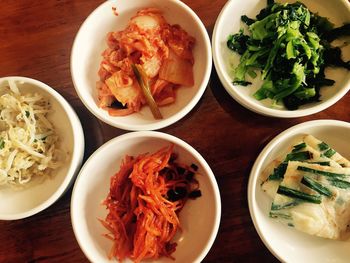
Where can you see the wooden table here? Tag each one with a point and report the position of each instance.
(35, 41)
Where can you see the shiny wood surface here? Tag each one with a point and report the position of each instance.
(35, 41)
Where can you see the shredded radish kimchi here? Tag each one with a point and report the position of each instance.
(145, 197)
(163, 51)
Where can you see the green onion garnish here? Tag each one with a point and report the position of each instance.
(314, 171)
(316, 199)
(316, 186)
(142, 80)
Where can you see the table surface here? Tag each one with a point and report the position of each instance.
(36, 40)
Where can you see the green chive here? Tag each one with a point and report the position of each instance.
(339, 183)
(281, 215)
(322, 163)
(323, 146)
(299, 156)
(298, 147)
(275, 207)
(314, 171)
(278, 172)
(316, 199)
(314, 185)
(329, 153)
(142, 81)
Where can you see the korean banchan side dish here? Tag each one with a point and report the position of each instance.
(310, 189)
(29, 144)
(144, 64)
(291, 47)
(144, 201)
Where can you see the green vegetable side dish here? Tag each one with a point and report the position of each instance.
(291, 46)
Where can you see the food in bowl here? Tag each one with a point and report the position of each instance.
(86, 60)
(29, 145)
(163, 56)
(291, 46)
(145, 198)
(310, 188)
(92, 186)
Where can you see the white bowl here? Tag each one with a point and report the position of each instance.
(288, 244)
(199, 218)
(17, 204)
(229, 22)
(91, 41)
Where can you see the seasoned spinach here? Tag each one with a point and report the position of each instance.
(291, 47)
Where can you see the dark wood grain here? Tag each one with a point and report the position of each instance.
(36, 40)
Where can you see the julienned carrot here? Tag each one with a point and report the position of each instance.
(145, 198)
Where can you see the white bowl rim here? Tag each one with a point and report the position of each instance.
(176, 141)
(260, 161)
(252, 105)
(77, 154)
(161, 123)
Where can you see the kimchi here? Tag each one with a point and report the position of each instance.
(162, 51)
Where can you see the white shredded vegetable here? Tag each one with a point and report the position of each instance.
(28, 142)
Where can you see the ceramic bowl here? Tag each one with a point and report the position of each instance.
(24, 202)
(199, 219)
(286, 243)
(90, 42)
(225, 60)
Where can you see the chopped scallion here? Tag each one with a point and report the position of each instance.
(298, 147)
(299, 156)
(316, 199)
(323, 146)
(339, 183)
(325, 173)
(329, 153)
(314, 185)
(142, 80)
